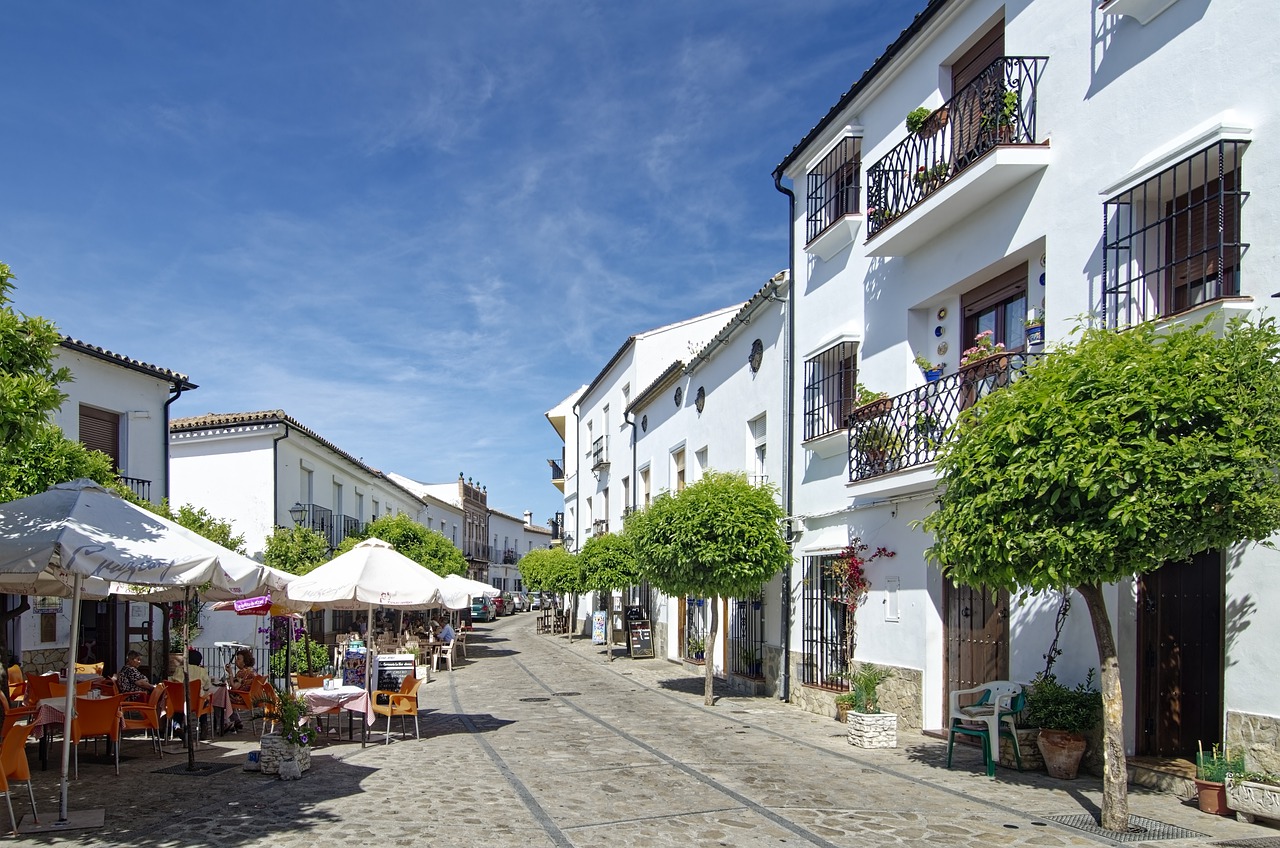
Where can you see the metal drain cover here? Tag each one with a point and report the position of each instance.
(1140, 829)
(565, 694)
(532, 700)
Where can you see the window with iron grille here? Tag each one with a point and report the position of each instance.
(830, 380)
(695, 628)
(832, 190)
(746, 637)
(822, 626)
(1172, 242)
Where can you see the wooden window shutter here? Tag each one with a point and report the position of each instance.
(100, 430)
(968, 104)
(1194, 254)
(976, 59)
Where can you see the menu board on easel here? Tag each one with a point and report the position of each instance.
(640, 637)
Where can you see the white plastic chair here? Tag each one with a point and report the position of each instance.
(443, 651)
(997, 704)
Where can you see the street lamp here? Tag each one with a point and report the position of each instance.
(298, 512)
(568, 542)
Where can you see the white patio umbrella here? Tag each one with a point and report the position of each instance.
(460, 591)
(77, 532)
(373, 573)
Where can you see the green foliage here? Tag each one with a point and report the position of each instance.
(1053, 706)
(44, 457)
(1109, 459)
(916, 118)
(200, 520)
(551, 570)
(293, 717)
(1215, 765)
(296, 550)
(864, 687)
(418, 543)
(320, 658)
(608, 563)
(719, 537)
(28, 379)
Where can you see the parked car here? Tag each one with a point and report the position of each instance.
(506, 604)
(521, 601)
(483, 609)
(500, 606)
(537, 602)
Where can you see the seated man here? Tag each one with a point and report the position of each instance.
(445, 630)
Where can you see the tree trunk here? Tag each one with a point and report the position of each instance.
(1115, 769)
(708, 691)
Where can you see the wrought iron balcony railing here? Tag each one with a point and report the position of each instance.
(343, 526)
(997, 108)
(557, 469)
(600, 453)
(600, 526)
(141, 488)
(833, 188)
(907, 430)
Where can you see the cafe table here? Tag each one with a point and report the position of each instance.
(349, 699)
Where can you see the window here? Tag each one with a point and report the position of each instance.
(832, 187)
(998, 306)
(360, 506)
(1173, 242)
(100, 431)
(374, 512)
(822, 626)
(644, 487)
(758, 430)
(830, 381)
(677, 469)
(700, 459)
(308, 486)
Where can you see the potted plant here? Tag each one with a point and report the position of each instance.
(868, 726)
(697, 646)
(1212, 769)
(870, 404)
(1064, 715)
(918, 119)
(983, 348)
(286, 751)
(1254, 794)
(844, 705)
(1035, 328)
(932, 370)
(879, 443)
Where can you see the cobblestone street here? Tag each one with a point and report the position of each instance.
(536, 741)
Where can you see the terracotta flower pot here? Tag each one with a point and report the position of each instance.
(1212, 797)
(1062, 752)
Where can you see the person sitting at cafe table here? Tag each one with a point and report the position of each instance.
(130, 680)
(444, 630)
(195, 661)
(240, 679)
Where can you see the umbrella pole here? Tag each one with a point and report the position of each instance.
(192, 732)
(288, 654)
(68, 707)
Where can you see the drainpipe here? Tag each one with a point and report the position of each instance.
(630, 420)
(275, 473)
(788, 417)
(177, 393)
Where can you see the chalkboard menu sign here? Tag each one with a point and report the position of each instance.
(640, 637)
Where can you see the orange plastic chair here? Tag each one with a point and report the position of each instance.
(202, 705)
(38, 688)
(248, 699)
(14, 767)
(403, 703)
(89, 668)
(97, 717)
(306, 681)
(13, 713)
(59, 690)
(147, 717)
(17, 684)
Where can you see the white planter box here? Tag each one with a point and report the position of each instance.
(878, 730)
(1253, 800)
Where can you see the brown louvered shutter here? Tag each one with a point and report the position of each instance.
(100, 430)
(967, 106)
(1202, 261)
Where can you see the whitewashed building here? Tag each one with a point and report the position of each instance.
(1077, 159)
(512, 538)
(718, 407)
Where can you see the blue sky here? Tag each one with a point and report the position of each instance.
(415, 227)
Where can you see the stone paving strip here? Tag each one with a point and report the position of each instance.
(537, 741)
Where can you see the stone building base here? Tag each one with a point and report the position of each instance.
(1258, 736)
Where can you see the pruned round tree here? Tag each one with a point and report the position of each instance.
(553, 570)
(608, 563)
(718, 538)
(1107, 460)
(420, 544)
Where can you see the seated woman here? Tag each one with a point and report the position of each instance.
(195, 664)
(239, 679)
(130, 680)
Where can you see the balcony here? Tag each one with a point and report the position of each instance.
(832, 216)
(974, 147)
(319, 519)
(557, 470)
(600, 453)
(907, 430)
(509, 557)
(141, 488)
(599, 527)
(478, 551)
(343, 526)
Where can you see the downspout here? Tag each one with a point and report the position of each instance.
(788, 417)
(178, 388)
(275, 473)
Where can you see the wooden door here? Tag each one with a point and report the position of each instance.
(977, 636)
(1180, 661)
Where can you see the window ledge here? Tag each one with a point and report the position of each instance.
(832, 444)
(1143, 11)
(835, 238)
(1219, 312)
